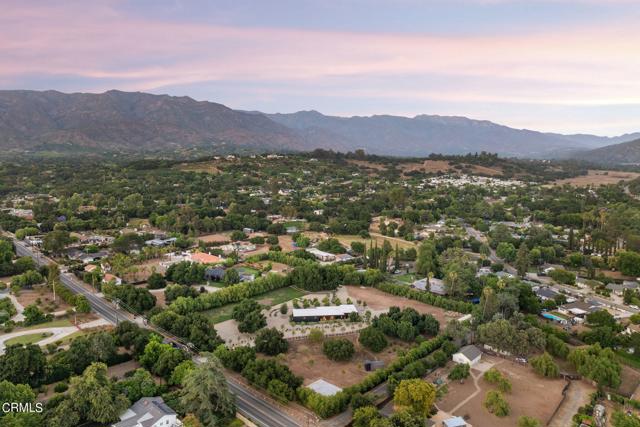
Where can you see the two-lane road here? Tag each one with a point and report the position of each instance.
(250, 406)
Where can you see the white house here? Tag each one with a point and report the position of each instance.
(149, 412)
(469, 354)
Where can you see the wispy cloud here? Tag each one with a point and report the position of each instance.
(103, 47)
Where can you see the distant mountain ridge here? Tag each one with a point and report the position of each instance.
(626, 153)
(126, 121)
(425, 134)
(135, 122)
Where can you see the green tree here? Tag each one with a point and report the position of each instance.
(362, 417)
(95, 397)
(55, 241)
(427, 259)
(140, 384)
(339, 349)
(373, 339)
(23, 364)
(415, 395)
(506, 251)
(206, 395)
(460, 372)
(620, 419)
(522, 260)
(545, 366)
(496, 404)
(270, 341)
(231, 277)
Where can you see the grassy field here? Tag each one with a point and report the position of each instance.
(346, 240)
(628, 359)
(57, 323)
(276, 297)
(406, 278)
(28, 339)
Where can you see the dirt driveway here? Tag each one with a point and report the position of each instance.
(577, 395)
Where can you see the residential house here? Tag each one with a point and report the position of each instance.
(619, 289)
(214, 274)
(108, 277)
(149, 412)
(545, 293)
(580, 309)
(343, 257)
(204, 258)
(469, 354)
(321, 255)
(435, 286)
(158, 242)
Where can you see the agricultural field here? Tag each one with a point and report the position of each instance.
(598, 178)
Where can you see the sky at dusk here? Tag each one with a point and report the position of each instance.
(570, 66)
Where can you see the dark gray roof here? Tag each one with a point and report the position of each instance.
(470, 351)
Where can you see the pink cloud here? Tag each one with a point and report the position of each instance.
(599, 65)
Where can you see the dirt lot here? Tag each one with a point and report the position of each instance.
(531, 395)
(630, 381)
(306, 359)
(28, 297)
(144, 270)
(377, 301)
(368, 165)
(346, 240)
(598, 177)
(215, 238)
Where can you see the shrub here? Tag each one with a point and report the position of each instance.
(496, 404)
(339, 349)
(373, 339)
(61, 387)
(460, 372)
(271, 342)
(497, 378)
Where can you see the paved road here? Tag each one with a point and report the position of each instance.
(260, 411)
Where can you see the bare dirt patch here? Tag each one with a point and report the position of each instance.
(43, 298)
(428, 166)
(346, 240)
(531, 395)
(307, 360)
(215, 238)
(630, 381)
(378, 300)
(598, 178)
(368, 165)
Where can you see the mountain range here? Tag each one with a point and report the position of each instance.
(134, 122)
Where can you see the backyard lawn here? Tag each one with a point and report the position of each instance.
(269, 299)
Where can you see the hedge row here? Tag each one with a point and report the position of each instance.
(426, 297)
(327, 406)
(282, 258)
(230, 294)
